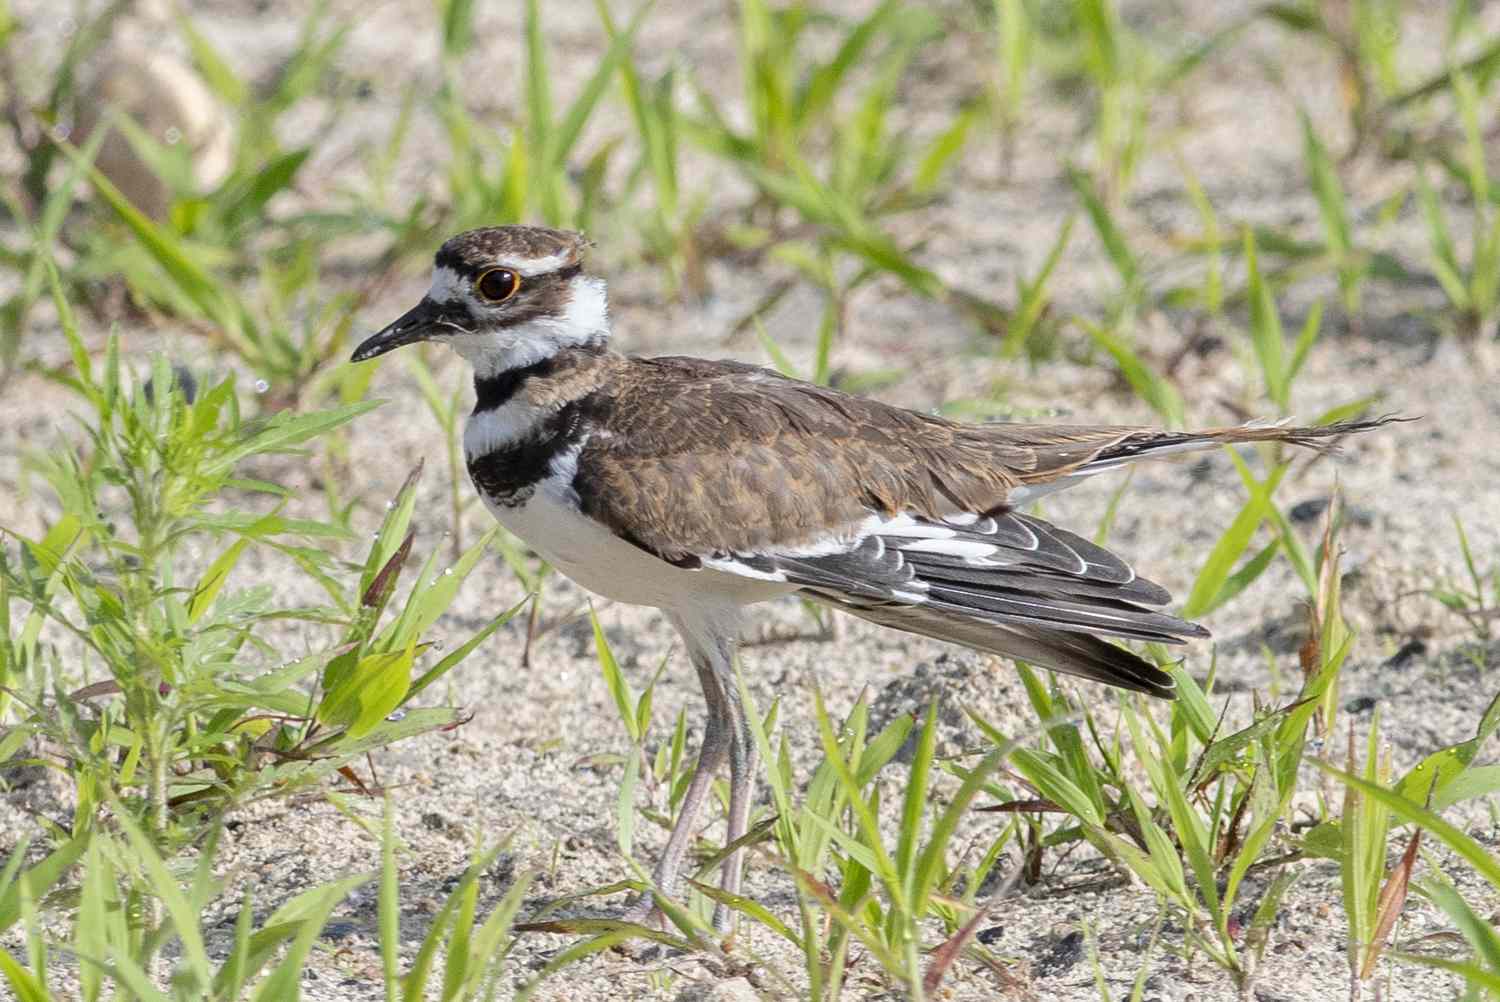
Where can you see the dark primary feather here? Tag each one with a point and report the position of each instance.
(1072, 653)
(1013, 585)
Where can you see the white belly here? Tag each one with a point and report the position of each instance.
(551, 524)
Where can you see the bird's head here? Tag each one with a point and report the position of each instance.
(504, 297)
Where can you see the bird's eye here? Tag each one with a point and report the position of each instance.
(497, 285)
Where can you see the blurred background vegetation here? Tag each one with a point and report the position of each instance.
(157, 174)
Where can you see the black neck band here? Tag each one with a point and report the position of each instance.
(492, 392)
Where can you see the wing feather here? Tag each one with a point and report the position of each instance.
(1006, 583)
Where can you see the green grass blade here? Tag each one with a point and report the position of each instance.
(169, 253)
(943, 151)
(934, 854)
(823, 84)
(1454, 838)
(1265, 330)
(1311, 328)
(915, 800)
(213, 579)
(285, 980)
(1480, 933)
(389, 905)
(442, 668)
(36, 881)
(182, 914)
(286, 430)
(568, 130)
(213, 67)
(1214, 576)
(538, 81)
(1154, 389)
(1110, 235)
(1033, 298)
(614, 679)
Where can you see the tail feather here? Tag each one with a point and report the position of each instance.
(1153, 444)
(1071, 653)
(1077, 454)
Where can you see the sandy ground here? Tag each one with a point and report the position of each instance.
(527, 767)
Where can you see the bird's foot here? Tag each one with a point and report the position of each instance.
(643, 910)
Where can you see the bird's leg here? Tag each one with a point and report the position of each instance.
(717, 740)
(742, 764)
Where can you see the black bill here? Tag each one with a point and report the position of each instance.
(428, 319)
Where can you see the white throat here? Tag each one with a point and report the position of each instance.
(585, 318)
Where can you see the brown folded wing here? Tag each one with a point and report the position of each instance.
(693, 457)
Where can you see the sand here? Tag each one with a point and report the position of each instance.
(537, 765)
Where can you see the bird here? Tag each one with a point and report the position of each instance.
(702, 487)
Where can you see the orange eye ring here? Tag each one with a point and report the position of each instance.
(497, 285)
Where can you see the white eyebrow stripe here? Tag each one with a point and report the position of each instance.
(447, 285)
(531, 267)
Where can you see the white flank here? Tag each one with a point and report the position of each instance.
(730, 565)
(589, 553)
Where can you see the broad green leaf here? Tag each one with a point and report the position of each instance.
(364, 698)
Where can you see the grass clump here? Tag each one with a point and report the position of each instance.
(192, 708)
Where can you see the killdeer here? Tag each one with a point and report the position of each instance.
(702, 487)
